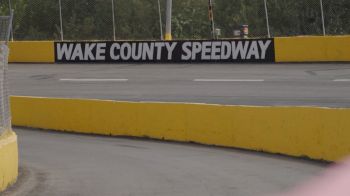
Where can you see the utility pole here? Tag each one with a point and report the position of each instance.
(211, 18)
(169, 5)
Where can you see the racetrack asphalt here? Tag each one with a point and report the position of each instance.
(326, 85)
(61, 164)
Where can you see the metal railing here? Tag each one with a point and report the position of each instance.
(144, 20)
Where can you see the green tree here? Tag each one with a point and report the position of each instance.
(138, 19)
(36, 19)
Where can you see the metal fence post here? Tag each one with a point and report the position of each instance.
(211, 18)
(113, 19)
(61, 22)
(11, 30)
(169, 5)
(267, 19)
(322, 14)
(160, 21)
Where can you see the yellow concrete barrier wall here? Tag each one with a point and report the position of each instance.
(8, 159)
(318, 133)
(313, 49)
(287, 49)
(32, 52)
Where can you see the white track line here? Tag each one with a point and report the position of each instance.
(228, 80)
(341, 80)
(92, 80)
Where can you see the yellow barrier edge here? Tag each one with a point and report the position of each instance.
(317, 133)
(31, 52)
(8, 159)
(312, 49)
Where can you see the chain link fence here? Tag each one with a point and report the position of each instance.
(5, 119)
(145, 20)
(231, 15)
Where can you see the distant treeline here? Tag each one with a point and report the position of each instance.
(139, 19)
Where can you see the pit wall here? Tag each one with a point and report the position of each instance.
(317, 133)
(8, 159)
(286, 49)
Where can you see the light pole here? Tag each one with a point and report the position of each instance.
(211, 18)
(160, 21)
(323, 23)
(10, 8)
(169, 5)
(267, 19)
(113, 20)
(61, 22)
